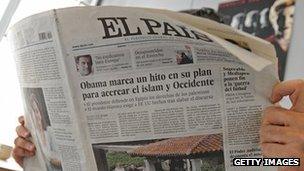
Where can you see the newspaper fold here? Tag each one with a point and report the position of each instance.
(101, 82)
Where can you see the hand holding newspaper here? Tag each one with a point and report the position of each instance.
(154, 84)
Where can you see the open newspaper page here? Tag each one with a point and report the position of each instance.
(145, 89)
(47, 99)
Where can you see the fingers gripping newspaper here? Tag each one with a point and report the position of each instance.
(164, 90)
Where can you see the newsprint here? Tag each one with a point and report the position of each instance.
(112, 88)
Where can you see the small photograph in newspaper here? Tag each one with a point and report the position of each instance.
(200, 152)
(184, 56)
(84, 65)
(41, 128)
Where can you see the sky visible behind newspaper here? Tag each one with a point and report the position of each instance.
(3, 4)
(10, 101)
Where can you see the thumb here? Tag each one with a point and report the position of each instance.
(294, 89)
(298, 105)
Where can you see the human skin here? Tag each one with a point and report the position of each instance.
(84, 66)
(281, 133)
(178, 58)
(282, 130)
(285, 40)
(23, 147)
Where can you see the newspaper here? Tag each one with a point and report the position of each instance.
(164, 90)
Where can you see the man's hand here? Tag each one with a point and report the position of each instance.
(23, 147)
(282, 130)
